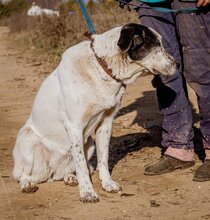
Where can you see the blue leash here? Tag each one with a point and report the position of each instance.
(86, 16)
(160, 9)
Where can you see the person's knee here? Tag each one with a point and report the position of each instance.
(165, 94)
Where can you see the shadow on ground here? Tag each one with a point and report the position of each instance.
(121, 146)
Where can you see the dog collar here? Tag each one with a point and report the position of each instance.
(101, 61)
(104, 65)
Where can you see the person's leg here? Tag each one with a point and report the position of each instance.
(177, 117)
(194, 34)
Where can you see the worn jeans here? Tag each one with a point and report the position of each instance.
(187, 38)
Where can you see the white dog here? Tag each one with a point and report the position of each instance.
(35, 10)
(81, 98)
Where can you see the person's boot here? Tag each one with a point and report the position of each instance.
(167, 164)
(203, 172)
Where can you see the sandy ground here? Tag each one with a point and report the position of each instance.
(135, 142)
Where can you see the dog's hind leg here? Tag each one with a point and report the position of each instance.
(28, 166)
(66, 171)
(70, 179)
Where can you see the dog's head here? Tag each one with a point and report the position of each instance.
(144, 46)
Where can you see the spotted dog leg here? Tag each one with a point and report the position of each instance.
(103, 136)
(87, 193)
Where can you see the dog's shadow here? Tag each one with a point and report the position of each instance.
(122, 145)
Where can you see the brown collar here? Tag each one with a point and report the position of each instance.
(101, 61)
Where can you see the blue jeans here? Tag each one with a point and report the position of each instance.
(187, 38)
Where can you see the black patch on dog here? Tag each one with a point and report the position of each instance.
(165, 94)
(138, 40)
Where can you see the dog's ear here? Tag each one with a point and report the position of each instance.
(125, 40)
(130, 36)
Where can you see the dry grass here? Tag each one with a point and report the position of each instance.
(11, 7)
(50, 36)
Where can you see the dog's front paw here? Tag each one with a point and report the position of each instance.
(89, 197)
(29, 187)
(70, 180)
(111, 186)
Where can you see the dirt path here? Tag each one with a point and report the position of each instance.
(136, 137)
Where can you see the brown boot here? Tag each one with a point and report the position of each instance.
(203, 172)
(166, 165)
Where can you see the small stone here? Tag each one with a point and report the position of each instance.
(154, 204)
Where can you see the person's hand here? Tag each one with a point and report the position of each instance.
(201, 3)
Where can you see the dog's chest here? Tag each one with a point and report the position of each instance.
(108, 97)
(105, 107)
